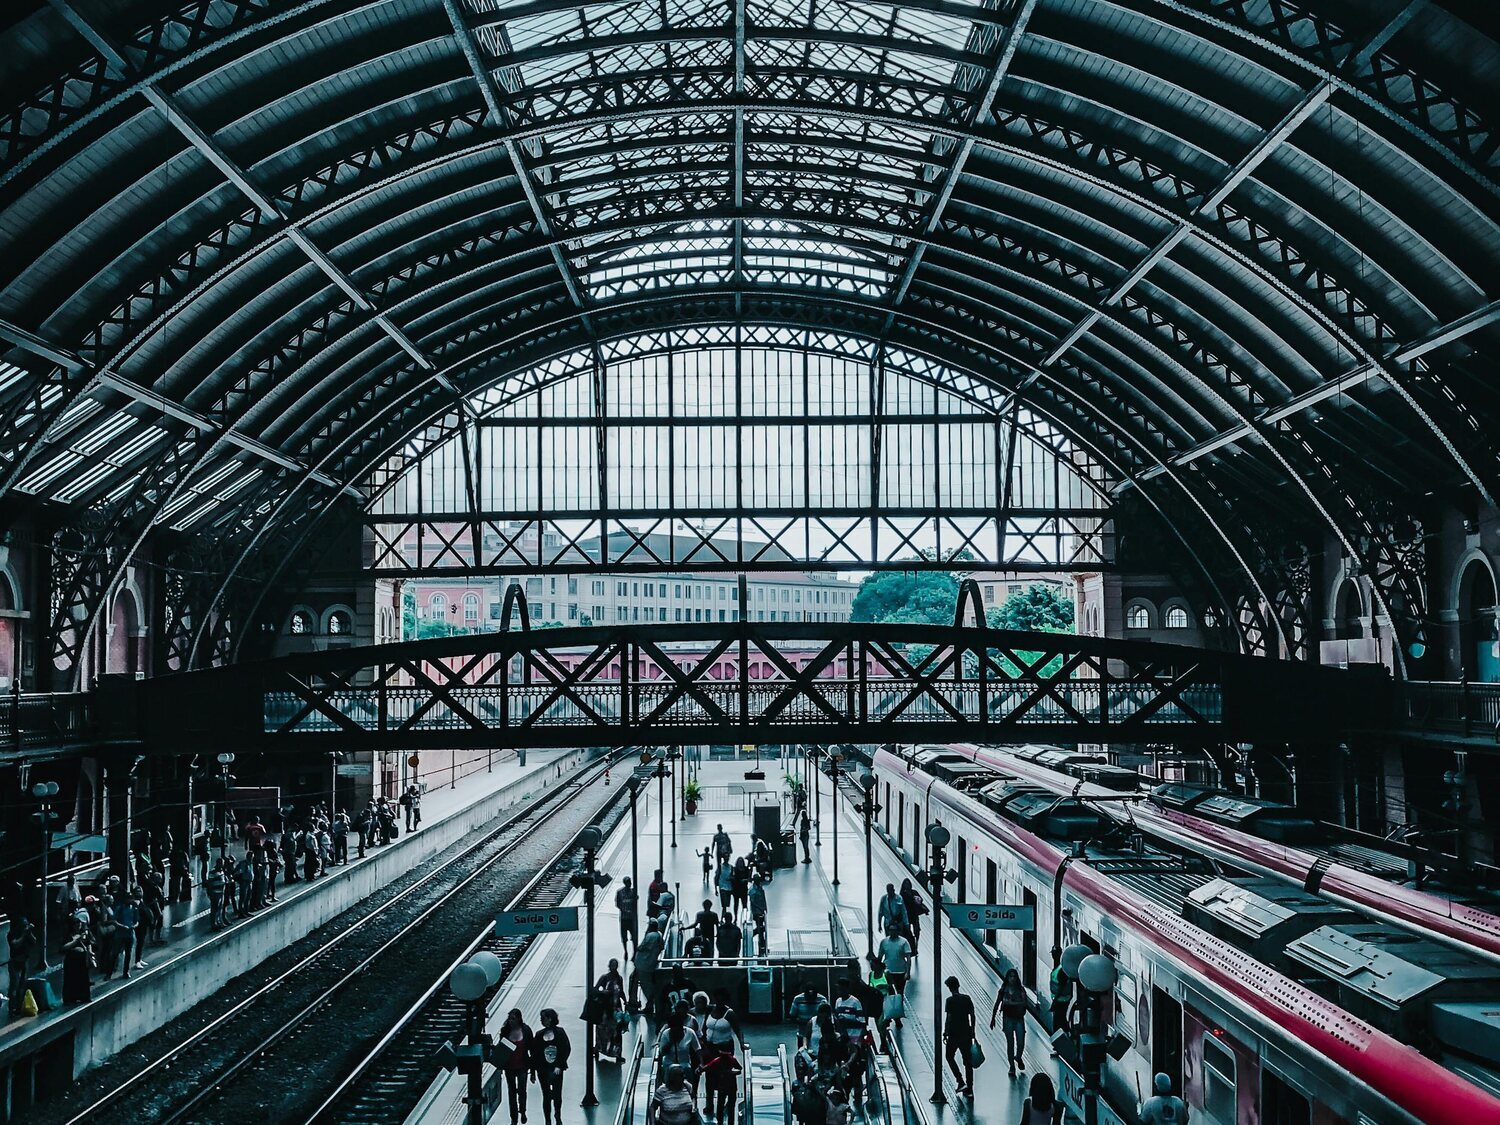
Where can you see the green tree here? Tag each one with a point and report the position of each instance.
(918, 597)
(1038, 608)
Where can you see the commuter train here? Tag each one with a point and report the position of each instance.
(1262, 836)
(1269, 1005)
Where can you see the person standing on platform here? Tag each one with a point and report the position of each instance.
(707, 922)
(625, 903)
(340, 833)
(741, 888)
(549, 1062)
(958, 1035)
(362, 827)
(804, 833)
(22, 942)
(647, 955)
(182, 878)
(244, 880)
(517, 1063)
(1010, 1006)
(724, 881)
(730, 941)
(760, 907)
(78, 962)
(216, 885)
(201, 854)
(273, 869)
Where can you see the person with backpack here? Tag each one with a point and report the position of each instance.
(721, 1070)
(1010, 1005)
(723, 848)
(1043, 1106)
(673, 1102)
(549, 1062)
(678, 1045)
(1164, 1107)
(515, 1037)
(1062, 997)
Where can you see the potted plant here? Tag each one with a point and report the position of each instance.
(692, 793)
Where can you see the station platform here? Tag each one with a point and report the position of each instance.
(194, 961)
(801, 900)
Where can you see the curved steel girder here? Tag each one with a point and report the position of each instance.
(1101, 418)
(184, 38)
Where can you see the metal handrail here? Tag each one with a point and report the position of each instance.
(632, 1073)
(913, 1104)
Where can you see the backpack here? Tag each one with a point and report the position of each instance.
(807, 1103)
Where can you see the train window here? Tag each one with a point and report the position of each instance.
(1126, 990)
(1219, 1100)
(1280, 1104)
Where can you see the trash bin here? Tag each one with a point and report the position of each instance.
(786, 850)
(762, 985)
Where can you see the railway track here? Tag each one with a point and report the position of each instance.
(271, 1055)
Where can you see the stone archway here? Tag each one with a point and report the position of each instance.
(1477, 622)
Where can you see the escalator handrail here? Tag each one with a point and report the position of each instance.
(912, 1105)
(632, 1076)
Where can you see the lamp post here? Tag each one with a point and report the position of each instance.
(589, 880)
(817, 799)
(1096, 977)
(869, 808)
(937, 874)
(469, 982)
(672, 756)
(226, 760)
(661, 808)
(44, 792)
(834, 757)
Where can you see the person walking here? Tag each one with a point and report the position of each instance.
(1164, 1107)
(23, 943)
(741, 888)
(549, 1062)
(724, 883)
(647, 954)
(804, 1009)
(760, 907)
(125, 917)
(892, 909)
(654, 890)
(678, 1045)
(958, 1035)
(1061, 987)
(1042, 1106)
(145, 923)
(896, 952)
(1010, 1006)
(804, 833)
(625, 903)
(915, 908)
(707, 856)
(606, 1006)
(723, 848)
(516, 1036)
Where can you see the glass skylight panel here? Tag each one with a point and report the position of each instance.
(82, 482)
(10, 375)
(50, 470)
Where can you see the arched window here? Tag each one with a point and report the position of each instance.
(338, 624)
(471, 609)
(300, 623)
(1137, 617)
(439, 605)
(1175, 618)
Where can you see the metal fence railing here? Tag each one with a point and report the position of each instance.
(1457, 706)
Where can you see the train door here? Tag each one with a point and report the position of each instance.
(901, 820)
(991, 895)
(1028, 944)
(963, 870)
(1281, 1103)
(1166, 1037)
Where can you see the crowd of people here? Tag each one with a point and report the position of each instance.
(106, 929)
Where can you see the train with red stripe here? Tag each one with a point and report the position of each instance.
(1259, 836)
(1268, 1004)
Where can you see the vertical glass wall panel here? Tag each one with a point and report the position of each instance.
(707, 460)
(966, 456)
(840, 462)
(570, 468)
(639, 473)
(906, 474)
(512, 459)
(704, 383)
(773, 466)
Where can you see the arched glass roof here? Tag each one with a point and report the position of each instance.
(1240, 253)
